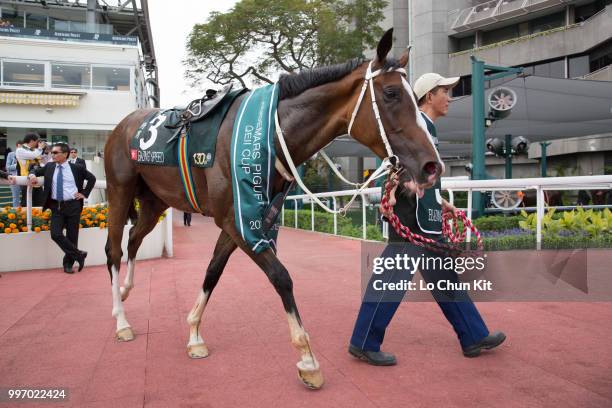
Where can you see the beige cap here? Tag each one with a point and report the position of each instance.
(429, 81)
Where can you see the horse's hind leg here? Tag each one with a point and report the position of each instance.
(151, 209)
(309, 371)
(120, 202)
(196, 348)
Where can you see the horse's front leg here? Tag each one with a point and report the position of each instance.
(196, 348)
(309, 371)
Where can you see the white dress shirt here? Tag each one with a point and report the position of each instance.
(70, 188)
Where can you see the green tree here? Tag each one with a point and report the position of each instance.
(257, 39)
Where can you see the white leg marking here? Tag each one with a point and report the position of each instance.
(300, 340)
(128, 284)
(194, 318)
(118, 311)
(309, 370)
(196, 347)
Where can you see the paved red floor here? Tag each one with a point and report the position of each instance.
(56, 330)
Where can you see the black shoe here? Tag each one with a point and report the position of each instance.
(491, 341)
(81, 260)
(68, 269)
(377, 358)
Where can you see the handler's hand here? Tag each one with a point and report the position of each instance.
(33, 179)
(11, 179)
(79, 196)
(392, 201)
(449, 208)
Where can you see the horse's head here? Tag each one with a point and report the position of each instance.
(401, 121)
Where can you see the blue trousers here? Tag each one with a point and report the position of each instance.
(378, 307)
(16, 194)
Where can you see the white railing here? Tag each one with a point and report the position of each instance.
(100, 184)
(470, 186)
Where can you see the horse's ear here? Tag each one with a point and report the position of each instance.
(384, 45)
(403, 60)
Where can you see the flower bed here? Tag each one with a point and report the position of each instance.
(13, 220)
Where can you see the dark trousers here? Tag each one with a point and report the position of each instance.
(38, 196)
(187, 219)
(66, 215)
(378, 307)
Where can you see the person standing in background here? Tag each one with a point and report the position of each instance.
(74, 158)
(64, 193)
(12, 169)
(28, 156)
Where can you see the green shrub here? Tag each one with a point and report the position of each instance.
(497, 222)
(548, 242)
(324, 222)
(577, 221)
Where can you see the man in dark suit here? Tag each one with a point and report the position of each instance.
(74, 159)
(64, 194)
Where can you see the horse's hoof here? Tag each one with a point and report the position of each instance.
(197, 350)
(125, 334)
(124, 293)
(310, 375)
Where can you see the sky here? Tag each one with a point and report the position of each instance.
(171, 23)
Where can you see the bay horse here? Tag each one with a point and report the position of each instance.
(314, 107)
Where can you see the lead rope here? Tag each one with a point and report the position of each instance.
(455, 235)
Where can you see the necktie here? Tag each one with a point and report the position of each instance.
(60, 184)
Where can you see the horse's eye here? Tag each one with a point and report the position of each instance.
(391, 93)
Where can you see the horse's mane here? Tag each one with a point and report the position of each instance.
(291, 85)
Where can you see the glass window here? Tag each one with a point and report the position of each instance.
(70, 76)
(587, 11)
(464, 87)
(547, 22)
(56, 24)
(11, 18)
(36, 21)
(466, 43)
(557, 69)
(578, 66)
(501, 34)
(23, 74)
(542, 70)
(601, 56)
(110, 78)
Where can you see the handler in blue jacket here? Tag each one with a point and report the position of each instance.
(423, 216)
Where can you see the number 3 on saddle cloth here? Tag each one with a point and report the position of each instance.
(175, 138)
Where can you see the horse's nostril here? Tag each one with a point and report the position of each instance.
(430, 168)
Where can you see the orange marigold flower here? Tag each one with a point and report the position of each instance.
(36, 229)
(15, 230)
(102, 225)
(45, 228)
(7, 230)
(24, 229)
(11, 216)
(12, 226)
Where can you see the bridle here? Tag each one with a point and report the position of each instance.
(369, 82)
(390, 163)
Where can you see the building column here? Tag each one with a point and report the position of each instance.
(91, 15)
